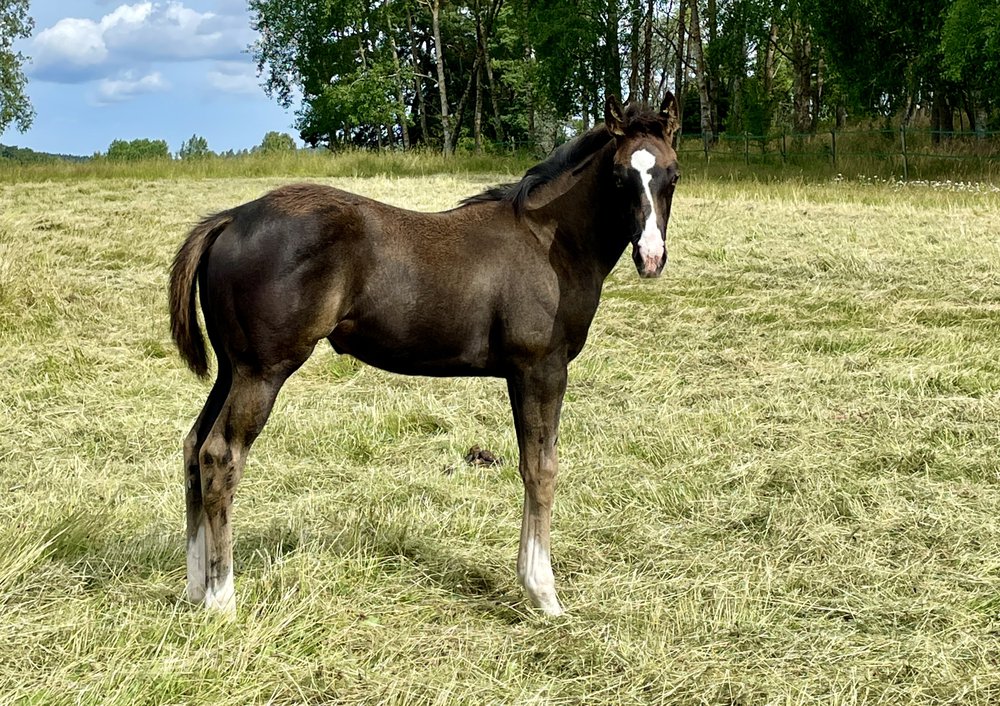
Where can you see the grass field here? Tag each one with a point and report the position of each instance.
(780, 473)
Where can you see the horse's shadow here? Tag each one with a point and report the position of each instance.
(398, 550)
(149, 567)
(101, 557)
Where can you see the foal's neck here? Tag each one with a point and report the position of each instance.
(588, 219)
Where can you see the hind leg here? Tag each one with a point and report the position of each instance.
(196, 550)
(222, 458)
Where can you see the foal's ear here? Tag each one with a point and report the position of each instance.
(669, 114)
(614, 116)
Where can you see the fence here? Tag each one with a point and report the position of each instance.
(901, 153)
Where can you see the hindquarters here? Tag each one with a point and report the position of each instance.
(273, 276)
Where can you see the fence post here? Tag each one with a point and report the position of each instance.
(906, 166)
(833, 137)
(784, 148)
(746, 147)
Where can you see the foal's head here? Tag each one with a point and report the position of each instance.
(645, 174)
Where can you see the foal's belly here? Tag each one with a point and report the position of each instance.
(416, 347)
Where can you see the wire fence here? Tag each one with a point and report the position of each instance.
(905, 152)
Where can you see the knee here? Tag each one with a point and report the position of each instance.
(215, 452)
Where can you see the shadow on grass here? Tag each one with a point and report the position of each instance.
(399, 552)
(92, 552)
(99, 554)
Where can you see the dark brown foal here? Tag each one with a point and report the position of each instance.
(506, 285)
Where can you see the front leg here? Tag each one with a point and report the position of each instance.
(536, 395)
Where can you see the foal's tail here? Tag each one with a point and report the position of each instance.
(183, 314)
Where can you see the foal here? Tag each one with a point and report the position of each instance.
(505, 285)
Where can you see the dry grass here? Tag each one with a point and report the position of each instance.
(780, 473)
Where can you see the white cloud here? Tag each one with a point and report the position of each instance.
(128, 87)
(172, 31)
(234, 77)
(71, 48)
(75, 49)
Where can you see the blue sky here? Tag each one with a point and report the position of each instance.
(102, 70)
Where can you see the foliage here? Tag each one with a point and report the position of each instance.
(194, 148)
(23, 155)
(971, 44)
(366, 68)
(15, 108)
(337, 54)
(137, 150)
(277, 142)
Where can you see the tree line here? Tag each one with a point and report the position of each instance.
(526, 73)
(195, 147)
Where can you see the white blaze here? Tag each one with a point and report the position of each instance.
(650, 243)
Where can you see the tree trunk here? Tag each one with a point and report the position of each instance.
(770, 63)
(947, 117)
(460, 111)
(401, 99)
(647, 52)
(447, 147)
(977, 114)
(484, 50)
(497, 124)
(817, 94)
(712, 78)
(477, 118)
(801, 82)
(529, 57)
(613, 68)
(477, 122)
(942, 117)
(680, 68)
(418, 90)
(633, 49)
(701, 75)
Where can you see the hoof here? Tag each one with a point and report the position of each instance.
(195, 593)
(550, 606)
(545, 600)
(223, 599)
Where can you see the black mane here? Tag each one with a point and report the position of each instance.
(564, 158)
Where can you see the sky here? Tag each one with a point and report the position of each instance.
(102, 70)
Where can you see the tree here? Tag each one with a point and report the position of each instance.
(702, 75)
(194, 148)
(14, 104)
(971, 46)
(135, 150)
(437, 72)
(887, 53)
(276, 142)
(435, 7)
(342, 55)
